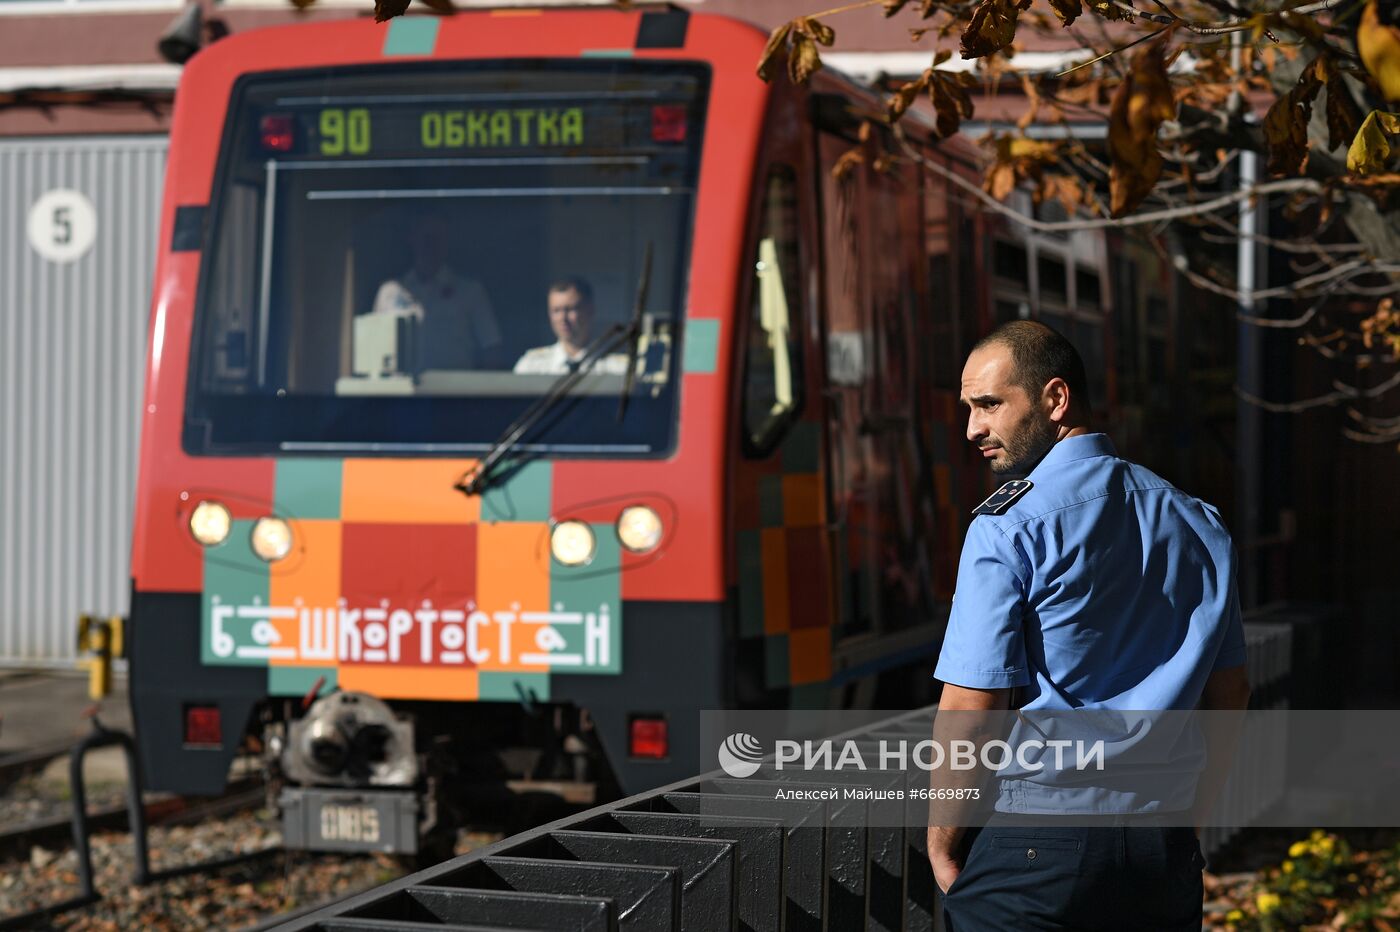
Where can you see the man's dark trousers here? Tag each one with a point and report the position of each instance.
(1098, 877)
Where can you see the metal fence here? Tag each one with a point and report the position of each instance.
(709, 852)
(705, 853)
(77, 253)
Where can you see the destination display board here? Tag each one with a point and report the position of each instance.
(415, 129)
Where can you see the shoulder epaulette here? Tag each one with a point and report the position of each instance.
(1004, 497)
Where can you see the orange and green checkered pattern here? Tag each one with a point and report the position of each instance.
(779, 508)
(401, 586)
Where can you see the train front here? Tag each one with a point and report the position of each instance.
(432, 461)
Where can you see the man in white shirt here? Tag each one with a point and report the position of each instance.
(570, 303)
(457, 326)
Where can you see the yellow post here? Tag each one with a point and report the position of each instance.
(116, 625)
(99, 638)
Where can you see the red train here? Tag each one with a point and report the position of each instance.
(393, 538)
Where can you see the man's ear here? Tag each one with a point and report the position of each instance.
(1056, 398)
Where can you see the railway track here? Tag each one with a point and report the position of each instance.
(20, 764)
(57, 831)
(51, 837)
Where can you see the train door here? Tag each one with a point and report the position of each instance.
(879, 467)
(848, 387)
(782, 558)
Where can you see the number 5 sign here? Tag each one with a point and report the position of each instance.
(62, 225)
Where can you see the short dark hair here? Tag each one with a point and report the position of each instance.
(1040, 353)
(575, 283)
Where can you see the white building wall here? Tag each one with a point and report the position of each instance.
(72, 352)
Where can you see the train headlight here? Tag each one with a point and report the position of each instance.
(572, 543)
(272, 539)
(210, 523)
(639, 528)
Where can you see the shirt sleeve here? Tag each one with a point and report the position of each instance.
(984, 647)
(1232, 650)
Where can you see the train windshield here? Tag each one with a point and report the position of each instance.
(406, 259)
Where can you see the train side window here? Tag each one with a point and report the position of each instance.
(1009, 263)
(773, 370)
(1051, 273)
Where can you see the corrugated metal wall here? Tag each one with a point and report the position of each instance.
(72, 348)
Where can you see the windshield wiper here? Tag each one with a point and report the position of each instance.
(634, 333)
(477, 479)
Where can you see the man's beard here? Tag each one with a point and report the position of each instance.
(1026, 448)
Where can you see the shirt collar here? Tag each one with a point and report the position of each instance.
(1078, 447)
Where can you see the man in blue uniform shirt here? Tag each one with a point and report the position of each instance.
(1087, 582)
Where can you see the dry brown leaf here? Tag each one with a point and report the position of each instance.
(388, 9)
(1343, 116)
(777, 41)
(799, 38)
(894, 6)
(904, 97)
(928, 8)
(814, 29)
(1067, 190)
(1061, 188)
(847, 163)
(1016, 159)
(1286, 123)
(803, 60)
(1000, 181)
(951, 102)
(992, 27)
(1142, 102)
(1032, 91)
(1109, 10)
(1067, 10)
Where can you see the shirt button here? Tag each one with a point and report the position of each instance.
(1030, 854)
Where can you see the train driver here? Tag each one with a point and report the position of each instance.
(570, 310)
(457, 326)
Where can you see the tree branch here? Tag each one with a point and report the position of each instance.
(1342, 393)
(1282, 186)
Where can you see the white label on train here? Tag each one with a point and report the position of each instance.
(581, 641)
(62, 225)
(845, 357)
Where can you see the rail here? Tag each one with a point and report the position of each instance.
(82, 826)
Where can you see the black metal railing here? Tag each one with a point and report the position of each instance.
(715, 853)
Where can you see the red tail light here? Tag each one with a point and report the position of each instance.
(648, 739)
(203, 726)
(276, 131)
(668, 123)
